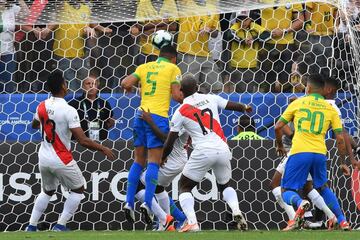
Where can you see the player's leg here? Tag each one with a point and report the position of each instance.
(319, 174)
(165, 219)
(49, 185)
(222, 171)
(276, 189)
(155, 150)
(71, 178)
(317, 200)
(136, 168)
(167, 173)
(296, 172)
(193, 172)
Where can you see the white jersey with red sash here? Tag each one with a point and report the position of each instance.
(199, 116)
(56, 118)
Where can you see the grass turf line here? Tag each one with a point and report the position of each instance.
(204, 235)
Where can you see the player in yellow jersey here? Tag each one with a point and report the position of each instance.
(159, 82)
(312, 117)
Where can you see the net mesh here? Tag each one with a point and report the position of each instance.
(261, 66)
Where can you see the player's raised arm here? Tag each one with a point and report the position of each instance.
(176, 92)
(129, 82)
(168, 145)
(239, 107)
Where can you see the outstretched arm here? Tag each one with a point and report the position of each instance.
(239, 107)
(280, 150)
(146, 116)
(341, 145)
(84, 141)
(168, 145)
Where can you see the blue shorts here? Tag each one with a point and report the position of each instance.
(298, 168)
(144, 136)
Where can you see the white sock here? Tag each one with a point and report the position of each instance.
(163, 200)
(156, 209)
(288, 209)
(230, 197)
(40, 206)
(187, 204)
(319, 202)
(70, 206)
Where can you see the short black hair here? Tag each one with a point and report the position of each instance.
(316, 79)
(55, 81)
(168, 51)
(333, 82)
(246, 123)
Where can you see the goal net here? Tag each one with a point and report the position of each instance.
(256, 52)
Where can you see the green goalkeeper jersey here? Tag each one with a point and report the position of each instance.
(247, 136)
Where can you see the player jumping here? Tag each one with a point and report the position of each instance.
(312, 116)
(159, 82)
(199, 116)
(58, 122)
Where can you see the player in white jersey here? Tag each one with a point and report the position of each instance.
(58, 122)
(330, 89)
(199, 116)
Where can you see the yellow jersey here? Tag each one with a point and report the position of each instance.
(146, 10)
(312, 117)
(156, 79)
(189, 40)
(280, 17)
(69, 39)
(244, 56)
(321, 18)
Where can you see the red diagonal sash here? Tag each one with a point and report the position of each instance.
(189, 112)
(63, 153)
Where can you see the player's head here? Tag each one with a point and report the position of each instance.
(332, 85)
(168, 52)
(246, 124)
(189, 85)
(90, 85)
(315, 84)
(57, 84)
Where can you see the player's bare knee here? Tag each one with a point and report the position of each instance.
(80, 190)
(307, 188)
(222, 187)
(49, 193)
(186, 184)
(159, 189)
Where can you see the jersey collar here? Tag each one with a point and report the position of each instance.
(161, 59)
(316, 95)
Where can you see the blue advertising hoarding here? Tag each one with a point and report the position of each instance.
(17, 110)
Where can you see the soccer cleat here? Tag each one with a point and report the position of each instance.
(30, 228)
(169, 223)
(330, 224)
(146, 213)
(241, 222)
(344, 225)
(312, 225)
(291, 225)
(171, 229)
(59, 228)
(190, 227)
(129, 213)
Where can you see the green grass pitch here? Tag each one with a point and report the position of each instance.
(205, 235)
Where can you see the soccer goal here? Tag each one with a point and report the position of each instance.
(256, 52)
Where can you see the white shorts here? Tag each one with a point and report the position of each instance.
(200, 162)
(281, 168)
(69, 176)
(169, 171)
